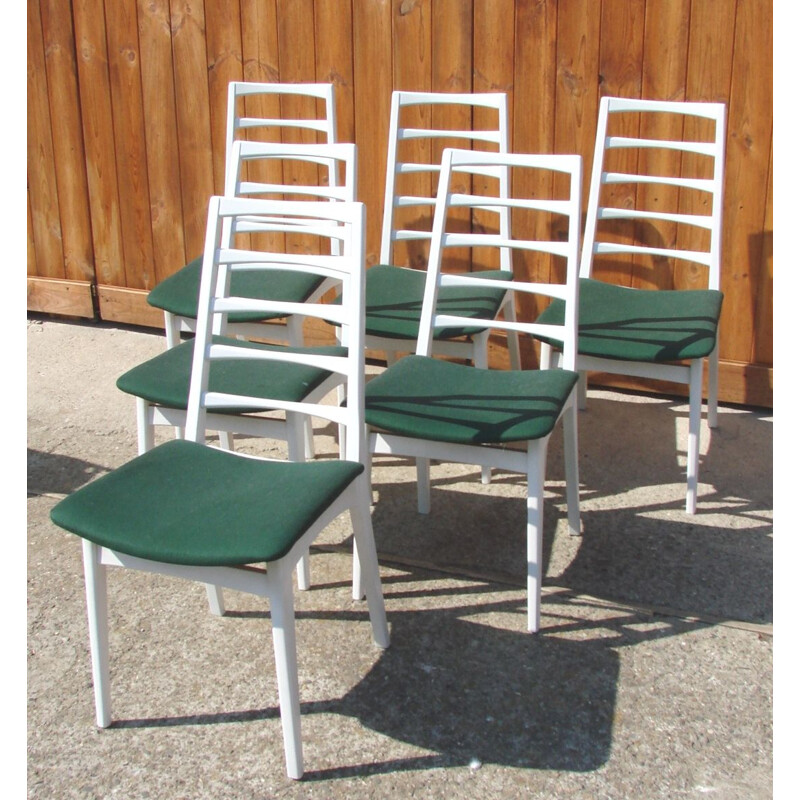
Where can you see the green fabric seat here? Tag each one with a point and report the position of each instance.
(179, 292)
(428, 398)
(187, 503)
(164, 379)
(394, 302)
(640, 325)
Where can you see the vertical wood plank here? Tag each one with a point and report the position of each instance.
(129, 139)
(42, 185)
(493, 37)
(333, 33)
(708, 78)
(762, 251)
(224, 45)
(260, 41)
(70, 162)
(187, 21)
(533, 129)
(747, 177)
(666, 39)
(372, 47)
(161, 138)
(98, 136)
(620, 75)
(411, 71)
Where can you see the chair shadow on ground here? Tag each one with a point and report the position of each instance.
(54, 473)
(465, 683)
(638, 544)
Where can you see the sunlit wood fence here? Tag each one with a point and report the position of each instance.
(126, 108)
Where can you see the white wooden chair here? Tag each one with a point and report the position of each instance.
(658, 209)
(425, 407)
(394, 292)
(177, 294)
(190, 510)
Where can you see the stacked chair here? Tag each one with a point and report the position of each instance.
(427, 407)
(394, 292)
(657, 209)
(161, 385)
(279, 249)
(177, 294)
(191, 510)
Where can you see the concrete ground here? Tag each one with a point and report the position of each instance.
(651, 676)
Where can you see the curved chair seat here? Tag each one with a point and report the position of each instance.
(187, 503)
(394, 302)
(436, 400)
(178, 293)
(164, 379)
(627, 324)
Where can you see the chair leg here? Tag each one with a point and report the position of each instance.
(365, 563)
(216, 601)
(144, 425)
(510, 313)
(226, 440)
(285, 646)
(583, 390)
(570, 422)
(537, 456)
(423, 485)
(97, 608)
(713, 388)
(172, 329)
(693, 443)
(297, 447)
(480, 358)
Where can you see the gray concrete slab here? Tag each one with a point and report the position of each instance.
(651, 677)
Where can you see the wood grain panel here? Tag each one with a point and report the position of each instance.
(187, 20)
(333, 33)
(42, 185)
(620, 75)
(224, 53)
(70, 163)
(126, 102)
(122, 30)
(372, 47)
(747, 176)
(161, 138)
(98, 136)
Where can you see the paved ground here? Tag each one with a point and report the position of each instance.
(651, 677)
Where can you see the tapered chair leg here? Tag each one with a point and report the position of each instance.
(570, 422)
(693, 443)
(537, 455)
(97, 608)
(365, 562)
(285, 646)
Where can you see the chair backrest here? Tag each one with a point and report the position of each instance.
(289, 112)
(536, 226)
(429, 122)
(343, 222)
(338, 159)
(656, 192)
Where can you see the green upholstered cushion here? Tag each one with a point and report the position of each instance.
(179, 293)
(428, 398)
(394, 302)
(164, 379)
(642, 325)
(186, 503)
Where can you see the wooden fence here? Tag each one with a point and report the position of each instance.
(126, 117)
